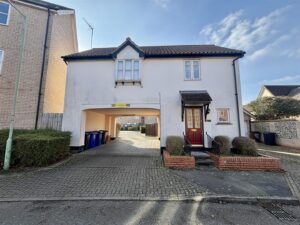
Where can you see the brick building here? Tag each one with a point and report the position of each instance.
(51, 33)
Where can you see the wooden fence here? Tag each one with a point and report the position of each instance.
(151, 130)
(51, 121)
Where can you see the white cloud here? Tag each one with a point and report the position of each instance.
(162, 3)
(292, 53)
(283, 79)
(269, 48)
(258, 37)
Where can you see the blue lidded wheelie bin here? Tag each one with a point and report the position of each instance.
(98, 138)
(86, 140)
(269, 138)
(92, 140)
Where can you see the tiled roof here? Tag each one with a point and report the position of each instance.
(46, 4)
(281, 90)
(171, 51)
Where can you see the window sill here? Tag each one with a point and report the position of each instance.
(192, 79)
(223, 123)
(123, 82)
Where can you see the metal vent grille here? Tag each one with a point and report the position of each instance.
(278, 212)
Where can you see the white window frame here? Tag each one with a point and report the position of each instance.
(124, 68)
(8, 14)
(1, 60)
(218, 117)
(192, 70)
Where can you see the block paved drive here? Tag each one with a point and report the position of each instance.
(130, 167)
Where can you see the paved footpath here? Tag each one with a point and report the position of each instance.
(128, 168)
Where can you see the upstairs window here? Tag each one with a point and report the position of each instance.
(128, 70)
(1, 59)
(4, 13)
(192, 70)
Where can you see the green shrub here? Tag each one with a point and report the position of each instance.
(36, 147)
(134, 128)
(224, 144)
(174, 145)
(245, 146)
(143, 129)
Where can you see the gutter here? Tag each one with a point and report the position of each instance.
(236, 94)
(42, 72)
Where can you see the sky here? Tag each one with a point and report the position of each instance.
(268, 30)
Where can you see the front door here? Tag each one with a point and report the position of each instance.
(194, 125)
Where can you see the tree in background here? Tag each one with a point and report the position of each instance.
(272, 108)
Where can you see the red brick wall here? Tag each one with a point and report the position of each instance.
(246, 163)
(178, 161)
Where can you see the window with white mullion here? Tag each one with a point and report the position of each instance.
(136, 70)
(188, 70)
(120, 69)
(128, 70)
(196, 70)
(192, 70)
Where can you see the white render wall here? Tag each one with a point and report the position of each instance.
(90, 85)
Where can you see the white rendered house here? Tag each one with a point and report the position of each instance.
(194, 90)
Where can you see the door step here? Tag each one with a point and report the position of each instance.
(193, 148)
(198, 155)
(204, 162)
(202, 158)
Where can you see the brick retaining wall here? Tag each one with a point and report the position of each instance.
(178, 161)
(246, 163)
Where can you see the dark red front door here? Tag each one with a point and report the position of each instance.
(193, 125)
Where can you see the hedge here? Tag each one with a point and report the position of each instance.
(36, 147)
(224, 144)
(143, 129)
(174, 145)
(244, 146)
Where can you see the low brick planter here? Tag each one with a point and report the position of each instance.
(187, 162)
(262, 162)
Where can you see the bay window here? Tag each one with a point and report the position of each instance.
(128, 70)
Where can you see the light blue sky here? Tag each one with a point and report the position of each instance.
(268, 30)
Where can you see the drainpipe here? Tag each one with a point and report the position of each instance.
(236, 95)
(42, 72)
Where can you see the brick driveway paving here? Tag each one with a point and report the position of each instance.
(130, 167)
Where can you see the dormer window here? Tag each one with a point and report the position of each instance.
(128, 70)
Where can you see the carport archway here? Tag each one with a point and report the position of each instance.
(106, 118)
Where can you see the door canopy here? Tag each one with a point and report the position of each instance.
(194, 99)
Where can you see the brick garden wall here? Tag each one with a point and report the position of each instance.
(246, 163)
(178, 161)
